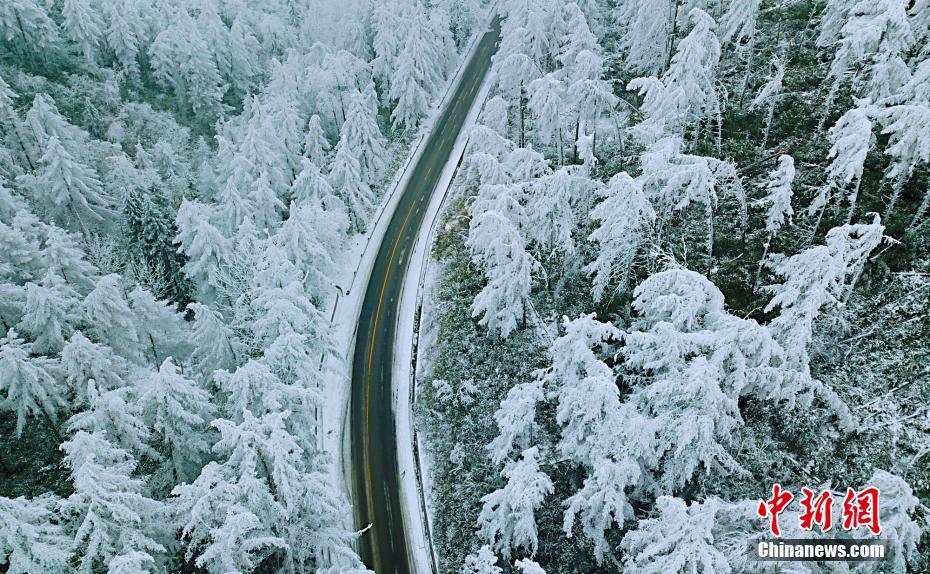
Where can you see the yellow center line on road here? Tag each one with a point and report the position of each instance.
(371, 350)
(452, 118)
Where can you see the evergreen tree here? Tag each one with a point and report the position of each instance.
(508, 513)
(515, 420)
(26, 25)
(527, 566)
(407, 89)
(361, 134)
(686, 94)
(84, 26)
(815, 278)
(49, 313)
(83, 361)
(215, 344)
(23, 254)
(625, 217)
(484, 562)
(178, 410)
(778, 198)
(496, 244)
(546, 104)
(311, 238)
(647, 36)
(125, 31)
(116, 415)
(28, 383)
(315, 143)
(739, 22)
(160, 329)
(183, 62)
(311, 186)
(678, 540)
(31, 541)
(70, 189)
(64, 257)
(204, 245)
(108, 513)
(151, 229)
(851, 138)
(347, 181)
(109, 318)
(265, 207)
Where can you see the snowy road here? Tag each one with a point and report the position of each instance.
(384, 547)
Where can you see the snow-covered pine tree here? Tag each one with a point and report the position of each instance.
(851, 139)
(739, 21)
(160, 329)
(204, 245)
(183, 62)
(27, 25)
(83, 25)
(515, 420)
(686, 94)
(553, 205)
(70, 190)
(311, 237)
(497, 245)
(625, 217)
(116, 415)
(769, 95)
(265, 209)
(507, 519)
(109, 318)
(315, 143)
(83, 360)
(31, 540)
(310, 185)
(482, 562)
(361, 134)
(49, 314)
(63, 256)
(108, 515)
(216, 344)
(407, 90)
(350, 185)
(28, 383)
(777, 200)
(679, 539)
(178, 410)
(647, 39)
(873, 34)
(546, 104)
(815, 278)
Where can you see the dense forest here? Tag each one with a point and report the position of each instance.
(179, 182)
(685, 259)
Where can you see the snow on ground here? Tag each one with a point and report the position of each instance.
(344, 308)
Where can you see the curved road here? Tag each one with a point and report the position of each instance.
(376, 485)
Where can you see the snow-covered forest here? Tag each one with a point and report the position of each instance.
(179, 183)
(686, 258)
